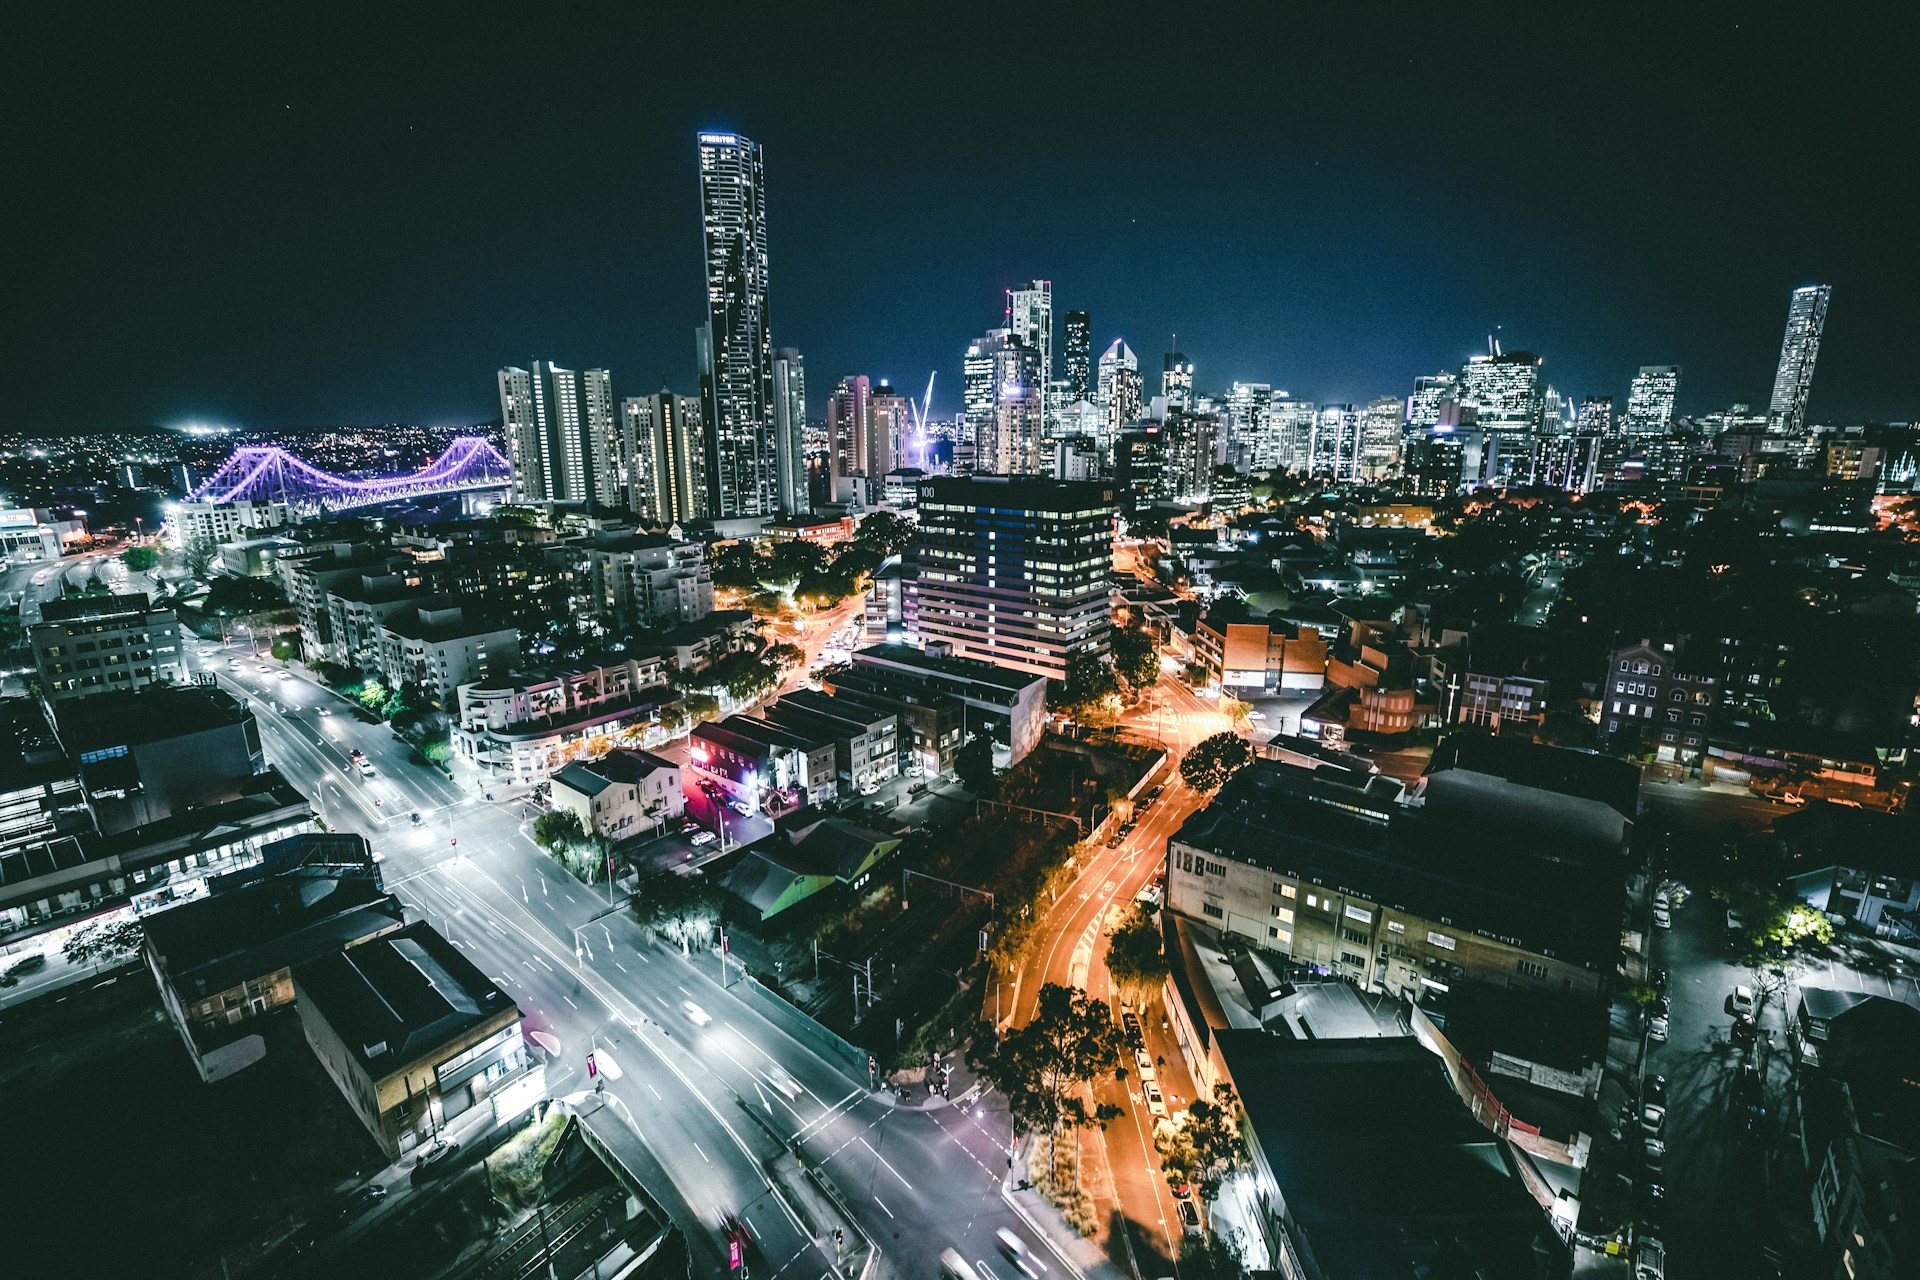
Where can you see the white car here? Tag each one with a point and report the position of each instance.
(1143, 1060)
(1155, 1103)
(1650, 1260)
(1657, 1028)
(700, 1017)
(1653, 1118)
(1661, 918)
(1743, 1001)
(701, 838)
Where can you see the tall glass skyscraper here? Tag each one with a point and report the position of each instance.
(1079, 355)
(790, 430)
(1806, 321)
(742, 460)
(563, 442)
(1650, 399)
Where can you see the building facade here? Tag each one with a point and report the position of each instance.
(741, 456)
(563, 441)
(1650, 690)
(661, 440)
(790, 430)
(1013, 570)
(1799, 348)
(94, 644)
(1650, 399)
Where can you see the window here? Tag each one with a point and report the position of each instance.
(1358, 962)
(1312, 901)
(1440, 940)
(1353, 935)
(1283, 914)
(1212, 909)
(1288, 891)
(1283, 936)
(1361, 914)
(1528, 969)
(1272, 932)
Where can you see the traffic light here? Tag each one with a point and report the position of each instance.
(839, 1237)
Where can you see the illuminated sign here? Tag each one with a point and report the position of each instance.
(16, 517)
(515, 1098)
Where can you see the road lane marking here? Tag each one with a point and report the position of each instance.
(883, 1160)
(569, 1000)
(883, 1206)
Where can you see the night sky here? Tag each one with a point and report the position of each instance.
(278, 217)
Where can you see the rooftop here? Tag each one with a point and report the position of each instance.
(965, 670)
(1449, 1201)
(397, 998)
(1614, 783)
(151, 713)
(30, 756)
(1023, 492)
(75, 608)
(436, 625)
(213, 943)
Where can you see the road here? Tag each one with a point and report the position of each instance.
(1121, 1169)
(715, 1080)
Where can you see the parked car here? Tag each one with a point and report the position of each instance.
(436, 1161)
(1654, 1089)
(1743, 1000)
(361, 1201)
(1653, 1118)
(1190, 1218)
(1656, 1151)
(1743, 1030)
(1658, 979)
(702, 837)
(1156, 1104)
(1657, 1028)
(1143, 1060)
(1749, 1088)
(1662, 919)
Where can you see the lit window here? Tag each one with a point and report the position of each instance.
(1440, 940)
(1359, 913)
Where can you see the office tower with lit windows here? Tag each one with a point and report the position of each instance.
(1335, 453)
(1015, 440)
(976, 382)
(849, 426)
(1030, 317)
(563, 442)
(1595, 417)
(1380, 431)
(1793, 381)
(1423, 406)
(1190, 437)
(1078, 362)
(1176, 380)
(790, 430)
(661, 436)
(1249, 441)
(1116, 357)
(1292, 424)
(1650, 399)
(737, 378)
(889, 429)
(1013, 570)
(1504, 389)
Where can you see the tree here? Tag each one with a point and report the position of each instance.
(1090, 693)
(1136, 657)
(1041, 1068)
(1136, 960)
(736, 564)
(700, 706)
(884, 533)
(1213, 760)
(973, 762)
(1206, 1147)
(103, 942)
(558, 829)
(682, 909)
(786, 656)
(140, 559)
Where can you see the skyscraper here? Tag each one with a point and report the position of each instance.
(1380, 437)
(790, 430)
(1596, 417)
(1015, 441)
(1079, 356)
(1118, 356)
(976, 383)
(661, 436)
(1249, 442)
(1806, 321)
(1336, 442)
(1650, 399)
(563, 442)
(849, 426)
(889, 430)
(1291, 424)
(1030, 316)
(1176, 380)
(1423, 406)
(742, 460)
(1190, 437)
(1013, 569)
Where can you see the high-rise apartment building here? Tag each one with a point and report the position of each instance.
(849, 426)
(1078, 361)
(1176, 380)
(1190, 440)
(741, 457)
(1015, 440)
(1013, 569)
(1806, 321)
(1335, 451)
(889, 430)
(1291, 424)
(563, 441)
(661, 437)
(1650, 399)
(790, 430)
(1380, 433)
(1504, 387)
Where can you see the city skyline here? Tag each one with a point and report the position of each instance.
(1343, 297)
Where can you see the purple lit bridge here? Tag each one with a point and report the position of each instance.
(268, 473)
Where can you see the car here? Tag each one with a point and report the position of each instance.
(1657, 979)
(27, 963)
(955, 1267)
(361, 1201)
(326, 711)
(1657, 1028)
(1190, 1218)
(698, 1016)
(1735, 922)
(1256, 715)
(1656, 1150)
(1156, 1104)
(1653, 1118)
(1789, 798)
(355, 753)
(1143, 1060)
(740, 807)
(1153, 793)
(1650, 1260)
(688, 827)
(702, 838)
(777, 1077)
(1183, 1192)
(1661, 918)
(1654, 1089)
(1658, 1006)
(1661, 902)
(434, 1162)
(1015, 1250)
(1113, 842)
(1742, 1000)
(366, 767)
(1743, 1030)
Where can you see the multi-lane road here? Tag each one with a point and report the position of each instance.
(715, 1080)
